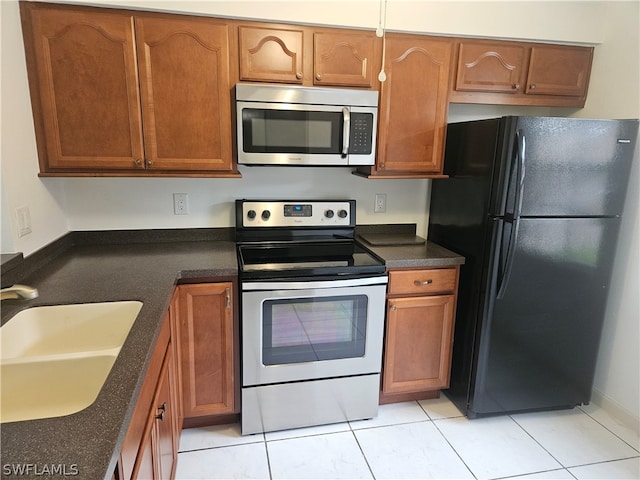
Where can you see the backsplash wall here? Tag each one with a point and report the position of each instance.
(125, 203)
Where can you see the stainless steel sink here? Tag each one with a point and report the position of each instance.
(55, 359)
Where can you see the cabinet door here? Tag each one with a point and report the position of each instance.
(486, 67)
(344, 59)
(418, 344)
(559, 70)
(271, 54)
(206, 344)
(176, 387)
(164, 441)
(84, 86)
(145, 465)
(185, 86)
(413, 104)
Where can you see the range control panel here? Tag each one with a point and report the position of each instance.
(298, 214)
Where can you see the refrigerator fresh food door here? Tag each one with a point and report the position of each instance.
(570, 167)
(539, 340)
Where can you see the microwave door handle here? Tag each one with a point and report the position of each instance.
(346, 128)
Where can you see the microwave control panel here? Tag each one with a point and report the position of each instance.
(360, 135)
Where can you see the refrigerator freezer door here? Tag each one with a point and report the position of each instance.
(538, 343)
(575, 167)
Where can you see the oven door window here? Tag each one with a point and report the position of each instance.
(291, 131)
(313, 329)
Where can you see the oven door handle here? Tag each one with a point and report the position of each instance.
(291, 285)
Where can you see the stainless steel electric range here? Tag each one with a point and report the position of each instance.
(312, 315)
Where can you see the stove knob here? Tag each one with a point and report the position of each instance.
(251, 214)
(342, 214)
(328, 214)
(266, 214)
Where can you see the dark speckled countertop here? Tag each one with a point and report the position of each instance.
(90, 440)
(406, 254)
(86, 267)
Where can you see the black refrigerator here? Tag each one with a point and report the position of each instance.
(534, 205)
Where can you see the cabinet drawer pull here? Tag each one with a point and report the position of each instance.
(417, 283)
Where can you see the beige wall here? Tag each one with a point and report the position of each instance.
(58, 205)
(614, 92)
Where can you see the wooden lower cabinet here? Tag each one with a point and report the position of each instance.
(206, 337)
(419, 333)
(150, 446)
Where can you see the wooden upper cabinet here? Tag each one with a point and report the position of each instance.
(84, 88)
(184, 82)
(270, 54)
(490, 68)
(308, 56)
(518, 73)
(559, 70)
(344, 59)
(413, 106)
(101, 78)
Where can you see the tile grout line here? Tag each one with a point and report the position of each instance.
(366, 460)
(266, 449)
(536, 440)
(607, 428)
(447, 440)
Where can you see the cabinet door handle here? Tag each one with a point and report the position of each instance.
(418, 283)
(299, 75)
(393, 308)
(516, 86)
(532, 86)
(138, 162)
(162, 408)
(228, 297)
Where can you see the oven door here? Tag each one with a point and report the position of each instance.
(309, 330)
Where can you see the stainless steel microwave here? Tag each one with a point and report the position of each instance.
(292, 125)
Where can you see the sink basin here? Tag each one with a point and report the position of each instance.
(51, 388)
(55, 359)
(59, 329)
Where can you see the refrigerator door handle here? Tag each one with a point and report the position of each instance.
(515, 218)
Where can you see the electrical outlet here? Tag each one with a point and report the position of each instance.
(180, 204)
(381, 203)
(24, 221)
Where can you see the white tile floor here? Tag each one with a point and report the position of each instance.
(425, 439)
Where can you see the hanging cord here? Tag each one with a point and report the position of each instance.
(381, 32)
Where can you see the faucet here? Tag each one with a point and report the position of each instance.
(18, 291)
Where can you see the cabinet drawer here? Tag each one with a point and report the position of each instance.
(438, 280)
